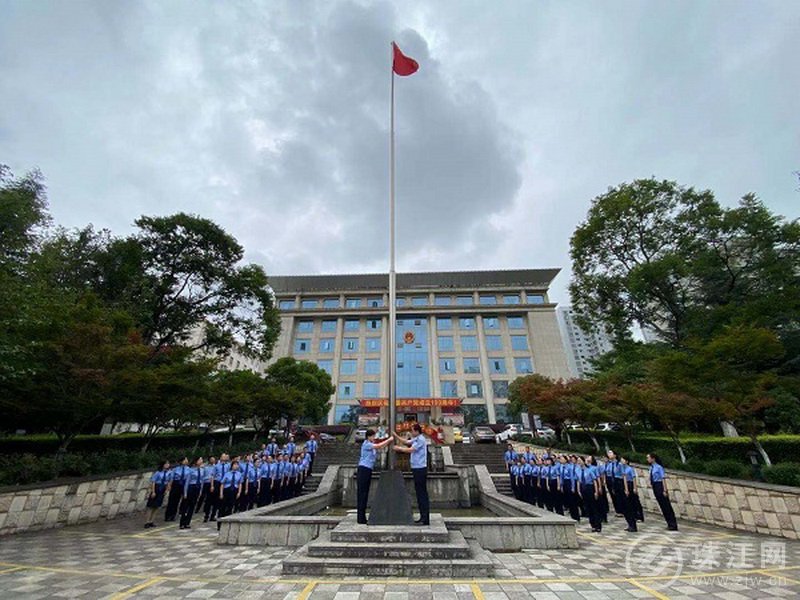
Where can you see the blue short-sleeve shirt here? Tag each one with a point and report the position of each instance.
(367, 455)
(419, 453)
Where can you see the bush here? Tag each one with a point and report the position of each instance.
(782, 474)
(726, 468)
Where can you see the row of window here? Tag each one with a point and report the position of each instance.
(445, 343)
(474, 389)
(447, 366)
(442, 323)
(326, 345)
(484, 300)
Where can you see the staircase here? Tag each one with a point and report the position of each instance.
(330, 453)
(490, 455)
(502, 484)
(393, 551)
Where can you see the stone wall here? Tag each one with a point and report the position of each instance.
(29, 508)
(734, 503)
(444, 489)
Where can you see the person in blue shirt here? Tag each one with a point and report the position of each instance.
(527, 481)
(264, 482)
(510, 457)
(192, 484)
(615, 480)
(516, 486)
(535, 467)
(631, 491)
(658, 480)
(417, 447)
(588, 486)
(544, 483)
(291, 447)
(204, 501)
(568, 493)
(217, 473)
(272, 448)
(556, 497)
(159, 483)
(230, 489)
(602, 501)
(366, 463)
(530, 457)
(248, 472)
(311, 451)
(176, 490)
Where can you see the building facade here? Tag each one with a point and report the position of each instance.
(581, 346)
(461, 337)
(235, 360)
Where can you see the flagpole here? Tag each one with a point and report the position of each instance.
(392, 283)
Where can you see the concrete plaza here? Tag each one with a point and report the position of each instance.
(118, 559)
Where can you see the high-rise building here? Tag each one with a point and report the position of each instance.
(461, 337)
(581, 346)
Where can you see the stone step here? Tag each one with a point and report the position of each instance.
(479, 565)
(455, 547)
(349, 531)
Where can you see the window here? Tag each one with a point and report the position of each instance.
(353, 302)
(449, 389)
(445, 343)
(329, 326)
(535, 299)
(466, 323)
(494, 343)
(419, 301)
(444, 323)
(400, 301)
(286, 304)
(500, 389)
(375, 302)
(373, 344)
(348, 367)
(491, 323)
(326, 365)
(310, 303)
(302, 345)
(372, 366)
(305, 326)
(472, 365)
(516, 323)
(464, 300)
(497, 365)
(442, 300)
(350, 345)
(371, 389)
(519, 342)
(347, 389)
(351, 325)
(326, 345)
(486, 300)
(330, 303)
(469, 343)
(373, 323)
(511, 299)
(474, 389)
(447, 365)
(523, 365)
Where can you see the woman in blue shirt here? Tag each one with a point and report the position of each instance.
(192, 484)
(588, 486)
(364, 474)
(658, 479)
(230, 489)
(632, 491)
(159, 483)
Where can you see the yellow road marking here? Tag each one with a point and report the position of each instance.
(476, 591)
(780, 576)
(11, 570)
(307, 590)
(649, 590)
(137, 588)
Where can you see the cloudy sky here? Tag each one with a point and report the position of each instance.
(272, 118)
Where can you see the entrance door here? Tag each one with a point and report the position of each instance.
(410, 417)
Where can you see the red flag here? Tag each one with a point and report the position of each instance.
(402, 64)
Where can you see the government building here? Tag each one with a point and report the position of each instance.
(461, 337)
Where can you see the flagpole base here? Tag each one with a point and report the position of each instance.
(392, 504)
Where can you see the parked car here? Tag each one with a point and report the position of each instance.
(361, 435)
(482, 434)
(546, 433)
(608, 427)
(326, 437)
(511, 431)
(458, 437)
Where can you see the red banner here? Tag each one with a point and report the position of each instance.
(421, 403)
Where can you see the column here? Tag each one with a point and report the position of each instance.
(488, 393)
(337, 355)
(433, 357)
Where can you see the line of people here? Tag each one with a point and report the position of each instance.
(581, 487)
(221, 487)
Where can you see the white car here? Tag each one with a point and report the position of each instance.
(545, 433)
(511, 431)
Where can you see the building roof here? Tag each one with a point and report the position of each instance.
(534, 278)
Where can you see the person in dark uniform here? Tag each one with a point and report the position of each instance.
(658, 479)
(568, 492)
(192, 484)
(272, 448)
(588, 487)
(204, 502)
(417, 447)
(514, 473)
(509, 457)
(366, 462)
(602, 502)
(544, 485)
(217, 473)
(615, 479)
(632, 491)
(176, 490)
(248, 472)
(264, 482)
(311, 451)
(535, 467)
(159, 484)
(527, 478)
(555, 486)
(230, 489)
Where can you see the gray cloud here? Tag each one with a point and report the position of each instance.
(272, 118)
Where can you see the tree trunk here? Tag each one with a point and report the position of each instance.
(569, 439)
(761, 451)
(680, 450)
(593, 437)
(630, 443)
(230, 436)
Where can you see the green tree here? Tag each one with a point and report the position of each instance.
(304, 387)
(232, 398)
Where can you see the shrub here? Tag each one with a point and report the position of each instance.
(782, 474)
(727, 468)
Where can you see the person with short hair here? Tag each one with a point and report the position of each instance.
(175, 494)
(311, 447)
(417, 447)
(658, 480)
(366, 463)
(192, 484)
(230, 488)
(159, 484)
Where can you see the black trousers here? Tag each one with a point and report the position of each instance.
(665, 505)
(311, 456)
(201, 499)
(264, 493)
(571, 500)
(541, 492)
(623, 503)
(602, 505)
(555, 497)
(227, 502)
(591, 506)
(188, 504)
(636, 502)
(208, 500)
(215, 502)
(421, 487)
(617, 495)
(363, 481)
(173, 501)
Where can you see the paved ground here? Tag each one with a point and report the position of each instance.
(118, 559)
